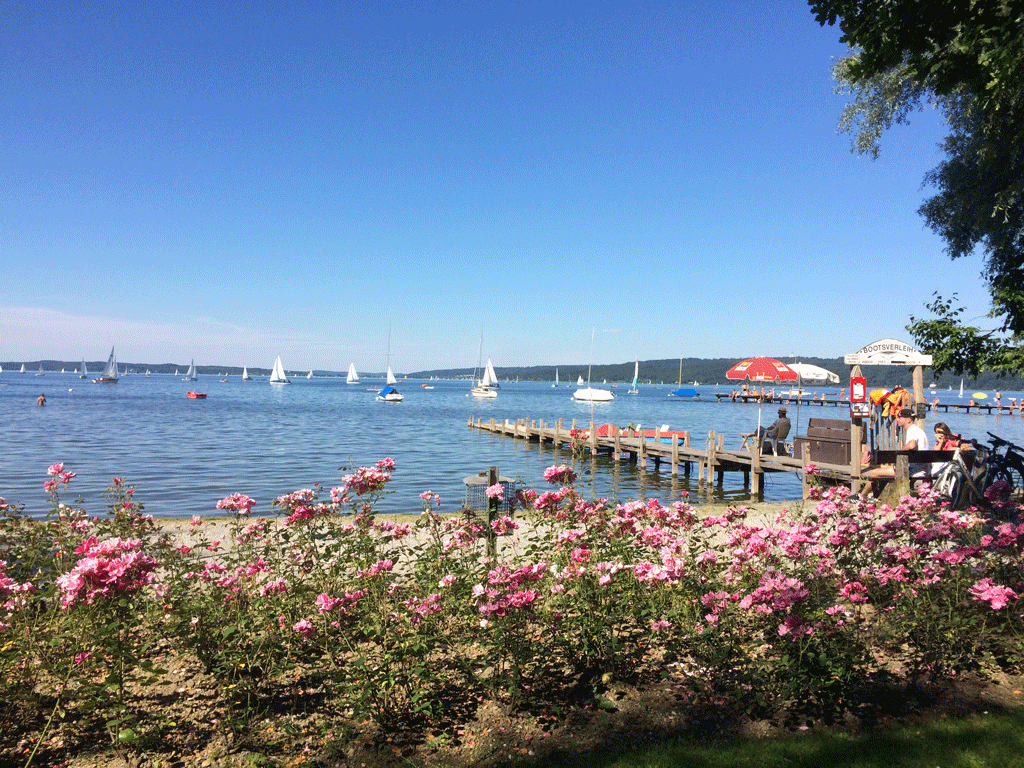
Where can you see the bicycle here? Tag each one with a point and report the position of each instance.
(997, 475)
(961, 485)
(1007, 469)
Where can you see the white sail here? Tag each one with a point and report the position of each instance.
(277, 375)
(391, 377)
(589, 393)
(636, 373)
(309, 375)
(580, 382)
(245, 374)
(109, 375)
(555, 385)
(490, 379)
(40, 372)
(353, 377)
(190, 374)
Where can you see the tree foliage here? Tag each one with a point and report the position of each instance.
(967, 60)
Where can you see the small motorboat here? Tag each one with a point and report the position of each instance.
(195, 395)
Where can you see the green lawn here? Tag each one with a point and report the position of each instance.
(982, 741)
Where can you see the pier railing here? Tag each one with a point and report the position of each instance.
(668, 447)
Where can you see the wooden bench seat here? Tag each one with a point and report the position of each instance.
(883, 458)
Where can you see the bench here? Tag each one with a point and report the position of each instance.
(879, 458)
(901, 482)
(828, 441)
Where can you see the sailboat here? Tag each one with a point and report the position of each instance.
(588, 393)
(190, 374)
(109, 375)
(961, 389)
(245, 374)
(277, 375)
(40, 372)
(636, 372)
(555, 385)
(22, 367)
(389, 394)
(353, 377)
(309, 375)
(487, 387)
(579, 381)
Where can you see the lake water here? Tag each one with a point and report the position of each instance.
(261, 440)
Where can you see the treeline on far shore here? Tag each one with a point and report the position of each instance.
(671, 371)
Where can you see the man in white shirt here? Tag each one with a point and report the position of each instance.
(915, 439)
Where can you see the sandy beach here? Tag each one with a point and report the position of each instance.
(219, 528)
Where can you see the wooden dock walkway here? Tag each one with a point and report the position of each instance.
(987, 408)
(675, 450)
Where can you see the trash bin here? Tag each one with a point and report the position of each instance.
(476, 493)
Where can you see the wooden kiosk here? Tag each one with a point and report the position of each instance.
(866, 422)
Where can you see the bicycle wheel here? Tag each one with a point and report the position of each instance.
(1005, 483)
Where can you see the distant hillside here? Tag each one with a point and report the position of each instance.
(704, 371)
(712, 371)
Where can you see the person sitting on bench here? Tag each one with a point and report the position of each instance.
(915, 439)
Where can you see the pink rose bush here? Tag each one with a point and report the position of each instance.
(389, 617)
(105, 569)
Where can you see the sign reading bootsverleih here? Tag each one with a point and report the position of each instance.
(888, 352)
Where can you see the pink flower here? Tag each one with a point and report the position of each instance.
(378, 568)
(504, 525)
(325, 602)
(108, 568)
(996, 595)
(55, 469)
(496, 491)
(238, 503)
(560, 474)
(303, 628)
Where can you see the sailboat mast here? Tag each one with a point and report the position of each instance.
(591, 365)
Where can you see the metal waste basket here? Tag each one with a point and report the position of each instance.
(476, 493)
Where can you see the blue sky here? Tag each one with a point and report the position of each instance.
(233, 181)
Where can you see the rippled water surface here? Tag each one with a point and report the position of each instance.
(262, 440)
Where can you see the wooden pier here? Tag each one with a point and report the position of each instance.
(674, 449)
(782, 399)
(976, 407)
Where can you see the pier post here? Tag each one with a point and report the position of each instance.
(492, 514)
(675, 455)
(806, 459)
(712, 459)
(593, 439)
(756, 472)
(617, 446)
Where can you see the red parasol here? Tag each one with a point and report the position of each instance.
(762, 369)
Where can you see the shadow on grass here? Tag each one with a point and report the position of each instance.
(988, 740)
